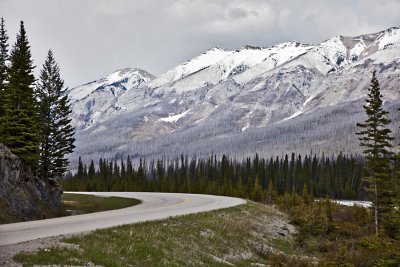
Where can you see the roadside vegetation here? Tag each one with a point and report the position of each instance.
(80, 203)
(338, 235)
(243, 235)
(325, 234)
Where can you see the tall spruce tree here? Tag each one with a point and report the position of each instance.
(375, 138)
(4, 57)
(57, 133)
(21, 128)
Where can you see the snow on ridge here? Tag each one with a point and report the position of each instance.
(246, 63)
(238, 63)
(334, 50)
(130, 77)
(117, 76)
(132, 74)
(278, 55)
(191, 66)
(225, 63)
(389, 38)
(80, 92)
(247, 58)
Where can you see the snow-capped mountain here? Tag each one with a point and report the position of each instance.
(91, 101)
(291, 97)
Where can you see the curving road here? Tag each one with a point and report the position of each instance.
(154, 206)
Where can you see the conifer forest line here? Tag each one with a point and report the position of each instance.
(259, 179)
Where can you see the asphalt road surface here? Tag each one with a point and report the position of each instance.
(154, 206)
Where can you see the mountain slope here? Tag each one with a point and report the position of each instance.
(267, 100)
(91, 101)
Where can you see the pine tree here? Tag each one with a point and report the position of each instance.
(240, 188)
(80, 167)
(92, 171)
(306, 195)
(3, 69)
(56, 131)
(375, 137)
(257, 193)
(271, 193)
(21, 127)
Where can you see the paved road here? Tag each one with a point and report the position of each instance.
(154, 206)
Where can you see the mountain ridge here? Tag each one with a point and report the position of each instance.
(234, 90)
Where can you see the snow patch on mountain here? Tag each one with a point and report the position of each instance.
(174, 118)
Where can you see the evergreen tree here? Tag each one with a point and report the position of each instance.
(3, 69)
(375, 137)
(92, 171)
(240, 189)
(80, 168)
(21, 127)
(56, 131)
(271, 193)
(306, 195)
(257, 193)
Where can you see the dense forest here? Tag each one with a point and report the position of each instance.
(255, 178)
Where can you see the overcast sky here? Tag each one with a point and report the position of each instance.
(92, 38)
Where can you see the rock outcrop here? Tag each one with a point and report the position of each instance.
(22, 195)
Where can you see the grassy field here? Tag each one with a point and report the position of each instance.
(80, 203)
(246, 235)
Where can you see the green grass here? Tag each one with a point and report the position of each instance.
(80, 203)
(76, 204)
(240, 236)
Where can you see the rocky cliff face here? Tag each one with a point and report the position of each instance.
(22, 195)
